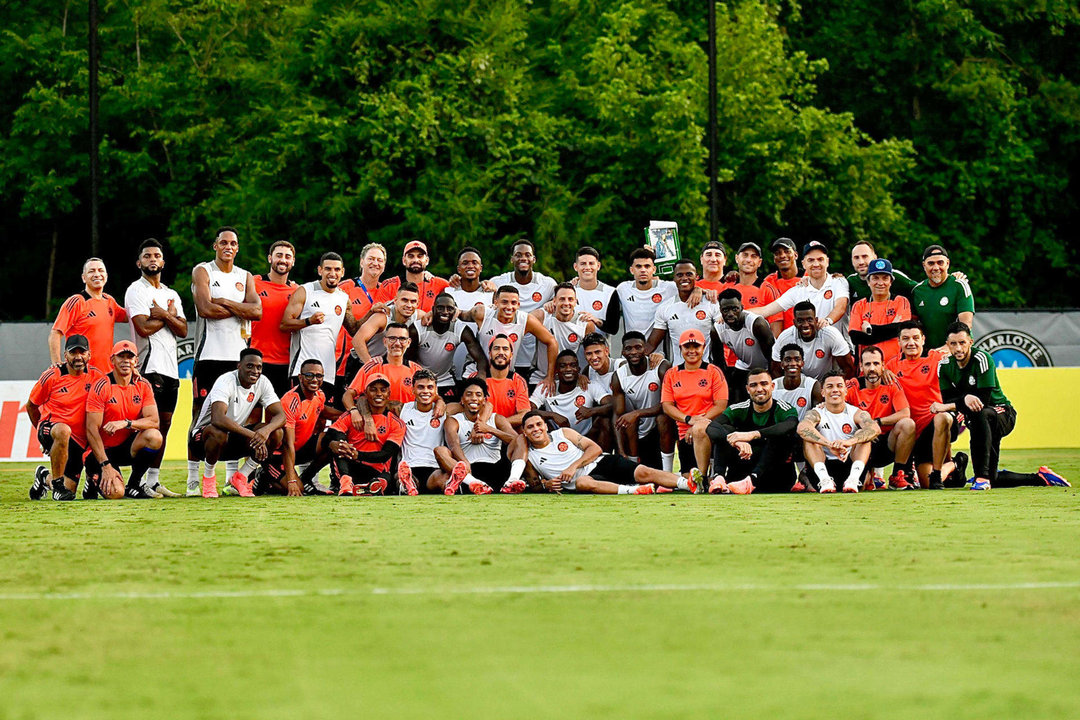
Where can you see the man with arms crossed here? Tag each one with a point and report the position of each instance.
(121, 428)
(836, 437)
(92, 314)
(156, 316)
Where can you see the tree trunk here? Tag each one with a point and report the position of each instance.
(52, 271)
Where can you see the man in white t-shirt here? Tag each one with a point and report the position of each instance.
(837, 437)
(828, 293)
(574, 406)
(219, 431)
(596, 299)
(156, 316)
(821, 346)
(678, 314)
(638, 299)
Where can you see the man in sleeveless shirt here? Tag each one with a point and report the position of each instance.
(837, 437)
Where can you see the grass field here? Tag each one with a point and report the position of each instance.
(882, 605)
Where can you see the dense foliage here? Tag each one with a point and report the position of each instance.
(573, 122)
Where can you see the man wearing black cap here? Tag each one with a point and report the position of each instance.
(786, 276)
(713, 259)
(828, 294)
(748, 260)
(941, 299)
(57, 408)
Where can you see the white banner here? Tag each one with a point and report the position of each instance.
(17, 440)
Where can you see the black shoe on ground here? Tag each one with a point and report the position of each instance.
(41, 483)
(138, 492)
(958, 477)
(313, 487)
(60, 491)
(90, 489)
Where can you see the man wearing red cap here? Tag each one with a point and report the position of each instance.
(57, 408)
(415, 260)
(122, 428)
(361, 457)
(694, 392)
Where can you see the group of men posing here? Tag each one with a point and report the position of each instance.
(419, 384)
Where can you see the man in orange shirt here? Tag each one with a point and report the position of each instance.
(748, 260)
(274, 291)
(365, 297)
(415, 261)
(507, 390)
(122, 428)
(786, 276)
(713, 258)
(693, 394)
(935, 430)
(875, 321)
(57, 408)
(392, 366)
(888, 406)
(92, 314)
(362, 457)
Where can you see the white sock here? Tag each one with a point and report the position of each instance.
(469, 479)
(682, 483)
(668, 461)
(231, 468)
(627, 489)
(857, 468)
(822, 473)
(193, 471)
(517, 469)
(249, 466)
(210, 471)
(153, 476)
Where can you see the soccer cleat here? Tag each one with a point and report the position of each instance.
(456, 476)
(697, 481)
(827, 486)
(345, 486)
(405, 479)
(898, 481)
(90, 489)
(647, 489)
(480, 488)
(980, 485)
(1052, 478)
(958, 477)
(375, 487)
(513, 487)
(60, 491)
(193, 488)
(851, 485)
(159, 491)
(139, 493)
(41, 483)
(209, 487)
(228, 490)
(718, 486)
(241, 484)
(660, 489)
(798, 487)
(741, 487)
(314, 487)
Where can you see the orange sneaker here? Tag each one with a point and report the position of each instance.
(648, 489)
(241, 484)
(405, 479)
(514, 487)
(375, 487)
(346, 486)
(898, 481)
(209, 487)
(798, 487)
(661, 489)
(480, 488)
(456, 476)
(741, 487)
(717, 486)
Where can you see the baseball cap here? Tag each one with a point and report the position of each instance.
(77, 342)
(814, 245)
(750, 246)
(714, 245)
(377, 377)
(932, 250)
(414, 245)
(879, 266)
(124, 346)
(782, 242)
(691, 336)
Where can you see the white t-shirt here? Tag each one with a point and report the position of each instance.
(515, 330)
(836, 426)
(824, 299)
(568, 403)
(639, 306)
(157, 353)
(318, 342)
(556, 456)
(423, 433)
(641, 392)
(596, 301)
(240, 400)
(801, 398)
(568, 335)
(533, 295)
(489, 451)
(743, 342)
(818, 354)
(676, 317)
(435, 351)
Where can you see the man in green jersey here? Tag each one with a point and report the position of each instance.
(941, 298)
(969, 384)
(753, 440)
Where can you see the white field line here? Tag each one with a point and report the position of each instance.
(536, 590)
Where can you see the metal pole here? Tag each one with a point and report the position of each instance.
(714, 221)
(94, 180)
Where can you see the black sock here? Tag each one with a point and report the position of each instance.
(935, 476)
(139, 465)
(1008, 478)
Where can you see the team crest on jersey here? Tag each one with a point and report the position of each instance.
(846, 428)
(597, 305)
(703, 383)
(828, 294)
(251, 397)
(513, 337)
(407, 382)
(563, 447)
(944, 301)
(449, 347)
(801, 402)
(750, 342)
(572, 337)
(925, 369)
(580, 401)
(657, 297)
(700, 315)
(537, 297)
(653, 387)
(511, 393)
(136, 399)
(381, 428)
(884, 399)
(240, 286)
(820, 354)
(337, 309)
(755, 300)
(889, 313)
(435, 422)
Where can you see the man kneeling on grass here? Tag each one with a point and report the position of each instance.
(837, 436)
(361, 464)
(565, 460)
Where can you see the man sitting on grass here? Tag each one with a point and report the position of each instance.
(361, 465)
(836, 437)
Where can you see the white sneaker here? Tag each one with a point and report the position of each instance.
(826, 486)
(851, 485)
(194, 488)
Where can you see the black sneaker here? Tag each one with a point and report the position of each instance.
(958, 477)
(314, 487)
(60, 491)
(138, 492)
(41, 483)
(90, 489)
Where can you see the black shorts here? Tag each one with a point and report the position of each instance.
(494, 474)
(278, 375)
(880, 454)
(421, 476)
(166, 390)
(614, 468)
(119, 455)
(236, 447)
(206, 373)
(648, 448)
(924, 444)
(449, 393)
(74, 466)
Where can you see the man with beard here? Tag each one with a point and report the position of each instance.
(366, 296)
(969, 384)
(821, 346)
(267, 336)
(836, 437)
(156, 316)
(437, 343)
(220, 432)
(573, 406)
(361, 457)
(639, 298)
(121, 429)
(368, 340)
(675, 316)
(875, 321)
(889, 408)
(534, 289)
(752, 440)
(484, 464)
(828, 294)
(644, 433)
(92, 314)
(507, 389)
(749, 337)
(941, 299)
(786, 276)
(468, 290)
(506, 317)
(562, 322)
(57, 408)
(415, 260)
